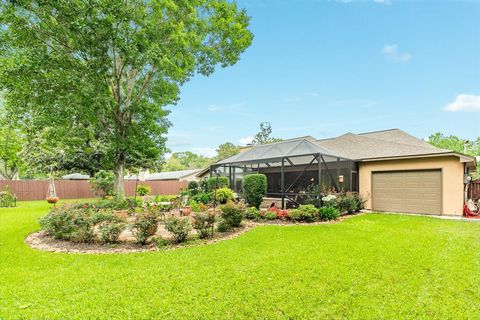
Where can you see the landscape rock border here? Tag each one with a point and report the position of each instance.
(40, 241)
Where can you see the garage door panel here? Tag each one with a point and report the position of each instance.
(407, 191)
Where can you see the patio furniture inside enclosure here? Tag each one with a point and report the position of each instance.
(296, 169)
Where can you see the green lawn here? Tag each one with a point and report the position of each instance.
(370, 266)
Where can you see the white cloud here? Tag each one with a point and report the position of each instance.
(464, 102)
(245, 141)
(205, 151)
(387, 2)
(392, 52)
(314, 94)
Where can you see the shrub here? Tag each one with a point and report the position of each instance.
(223, 195)
(252, 213)
(307, 213)
(160, 242)
(201, 197)
(145, 226)
(359, 202)
(70, 222)
(110, 230)
(179, 228)
(328, 213)
(329, 200)
(217, 183)
(195, 206)
(143, 190)
(346, 203)
(102, 183)
(283, 214)
(254, 188)
(270, 215)
(83, 233)
(7, 199)
(223, 226)
(203, 223)
(193, 188)
(231, 216)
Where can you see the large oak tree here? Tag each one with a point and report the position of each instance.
(111, 66)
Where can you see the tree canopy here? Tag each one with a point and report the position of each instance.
(12, 142)
(263, 136)
(109, 67)
(454, 143)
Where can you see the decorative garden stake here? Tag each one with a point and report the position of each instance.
(52, 192)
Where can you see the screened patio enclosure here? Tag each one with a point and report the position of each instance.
(297, 170)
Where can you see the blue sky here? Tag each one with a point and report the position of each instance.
(323, 68)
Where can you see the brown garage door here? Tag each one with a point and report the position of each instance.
(407, 191)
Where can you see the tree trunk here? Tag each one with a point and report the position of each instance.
(119, 181)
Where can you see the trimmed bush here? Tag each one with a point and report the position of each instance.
(203, 223)
(231, 216)
(347, 204)
(307, 213)
(217, 183)
(223, 195)
(328, 213)
(179, 228)
(252, 213)
(143, 190)
(254, 189)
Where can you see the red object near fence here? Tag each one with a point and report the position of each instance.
(78, 189)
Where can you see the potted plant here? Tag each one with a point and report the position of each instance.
(52, 200)
(186, 211)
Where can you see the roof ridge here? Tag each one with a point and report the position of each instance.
(377, 131)
(406, 144)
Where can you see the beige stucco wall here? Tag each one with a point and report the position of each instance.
(452, 178)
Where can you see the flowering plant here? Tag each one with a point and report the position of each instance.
(329, 200)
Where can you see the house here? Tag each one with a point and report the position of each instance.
(185, 175)
(76, 176)
(392, 170)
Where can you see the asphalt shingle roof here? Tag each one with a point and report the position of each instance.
(172, 175)
(380, 144)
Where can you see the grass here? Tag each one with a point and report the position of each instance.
(368, 267)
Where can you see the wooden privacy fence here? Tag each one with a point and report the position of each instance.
(474, 189)
(77, 189)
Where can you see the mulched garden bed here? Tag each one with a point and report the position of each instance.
(40, 241)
